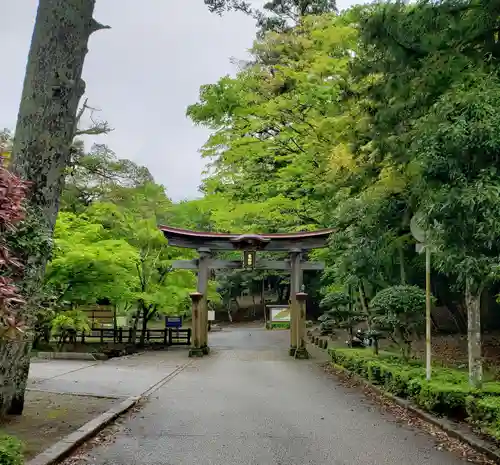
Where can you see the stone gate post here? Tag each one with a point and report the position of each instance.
(196, 349)
(301, 351)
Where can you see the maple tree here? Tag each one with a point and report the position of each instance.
(12, 193)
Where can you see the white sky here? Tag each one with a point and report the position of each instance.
(143, 73)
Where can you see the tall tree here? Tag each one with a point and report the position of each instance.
(275, 15)
(41, 151)
(274, 129)
(431, 116)
(96, 175)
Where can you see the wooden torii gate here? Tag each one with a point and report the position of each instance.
(206, 243)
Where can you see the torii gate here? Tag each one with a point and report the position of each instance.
(295, 244)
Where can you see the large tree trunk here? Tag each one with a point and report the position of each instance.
(146, 316)
(41, 151)
(144, 329)
(135, 324)
(473, 303)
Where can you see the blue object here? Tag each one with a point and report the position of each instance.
(174, 321)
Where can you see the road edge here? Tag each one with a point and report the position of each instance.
(63, 448)
(447, 426)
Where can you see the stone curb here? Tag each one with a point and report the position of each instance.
(65, 446)
(72, 356)
(447, 426)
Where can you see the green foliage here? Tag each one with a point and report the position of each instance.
(485, 413)
(399, 311)
(11, 451)
(275, 15)
(88, 263)
(74, 321)
(115, 251)
(334, 300)
(340, 312)
(271, 146)
(97, 175)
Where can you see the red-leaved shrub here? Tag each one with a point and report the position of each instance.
(12, 193)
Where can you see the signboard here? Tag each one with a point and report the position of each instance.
(121, 321)
(211, 315)
(173, 321)
(279, 316)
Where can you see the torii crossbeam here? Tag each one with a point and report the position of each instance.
(295, 244)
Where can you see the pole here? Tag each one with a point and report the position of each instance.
(428, 312)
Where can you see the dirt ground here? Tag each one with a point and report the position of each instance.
(48, 417)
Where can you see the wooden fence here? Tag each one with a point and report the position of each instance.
(167, 337)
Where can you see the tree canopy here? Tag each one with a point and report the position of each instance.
(359, 121)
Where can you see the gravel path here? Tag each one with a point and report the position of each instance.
(249, 403)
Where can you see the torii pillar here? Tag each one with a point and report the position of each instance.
(295, 244)
(203, 277)
(297, 315)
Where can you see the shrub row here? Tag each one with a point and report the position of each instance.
(11, 451)
(448, 393)
(484, 413)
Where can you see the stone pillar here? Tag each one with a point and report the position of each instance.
(295, 285)
(196, 348)
(301, 351)
(203, 276)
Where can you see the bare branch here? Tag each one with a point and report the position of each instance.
(97, 26)
(101, 127)
(81, 111)
(97, 127)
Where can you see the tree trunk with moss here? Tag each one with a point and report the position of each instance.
(41, 152)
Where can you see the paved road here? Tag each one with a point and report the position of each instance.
(249, 403)
(118, 377)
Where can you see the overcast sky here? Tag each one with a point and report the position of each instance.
(142, 73)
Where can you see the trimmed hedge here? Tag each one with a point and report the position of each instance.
(484, 412)
(448, 393)
(11, 451)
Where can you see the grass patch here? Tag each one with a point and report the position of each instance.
(11, 450)
(47, 418)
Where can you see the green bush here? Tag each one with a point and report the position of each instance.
(484, 412)
(448, 393)
(11, 451)
(445, 398)
(398, 312)
(67, 325)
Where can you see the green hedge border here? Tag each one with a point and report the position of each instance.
(447, 394)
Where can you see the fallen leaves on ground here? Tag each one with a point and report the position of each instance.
(83, 455)
(404, 416)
